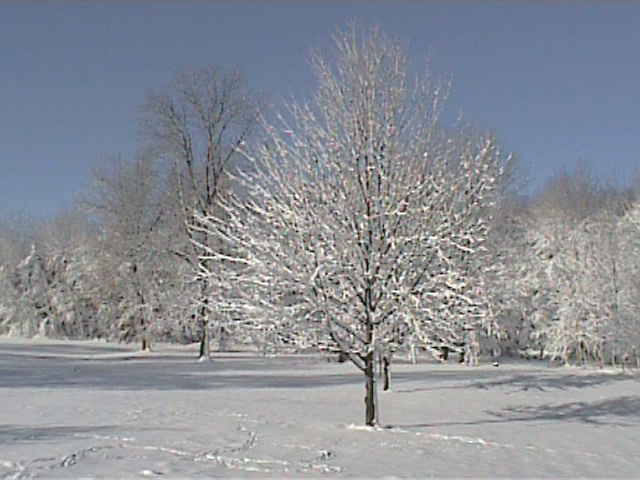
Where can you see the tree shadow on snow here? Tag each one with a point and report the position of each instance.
(621, 411)
(62, 348)
(625, 407)
(177, 373)
(27, 434)
(544, 382)
(162, 375)
(522, 382)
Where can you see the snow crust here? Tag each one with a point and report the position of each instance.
(93, 409)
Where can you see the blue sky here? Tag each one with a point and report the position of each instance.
(558, 82)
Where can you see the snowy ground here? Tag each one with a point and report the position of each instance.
(91, 409)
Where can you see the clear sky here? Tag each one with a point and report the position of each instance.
(558, 82)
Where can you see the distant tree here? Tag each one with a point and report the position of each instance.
(508, 290)
(361, 217)
(625, 332)
(577, 266)
(127, 199)
(41, 276)
(196, 125)
(16, 238)
(67, 242)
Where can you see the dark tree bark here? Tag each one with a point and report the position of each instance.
(204, 335)
(370, 391)
(386, 371)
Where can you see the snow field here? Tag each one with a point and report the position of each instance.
(88, 409)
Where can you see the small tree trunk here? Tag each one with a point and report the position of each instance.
(145, 345)
(370, 391)
(146, 335)
(144, 327)
(444, 353)
(204, 338)
(204, 344)
(204, 325)
(223, 338)
(601, 354)
(386, 371)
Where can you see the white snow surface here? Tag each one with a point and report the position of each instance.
(98, 410)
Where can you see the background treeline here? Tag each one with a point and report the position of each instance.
(144, 254)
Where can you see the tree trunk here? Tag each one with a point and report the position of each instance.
(204, 327)
(412, 352)
(386, 371)
(143, 321)
(223, 338)
(204, 338)
(370, 391)
(146, 341)
(204, 344)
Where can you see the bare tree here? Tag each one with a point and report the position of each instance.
(196, 126)
(127, 199)
(361, 216)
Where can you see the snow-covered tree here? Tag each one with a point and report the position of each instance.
(15, 241)
(53, 289)
(507, 283)
(624, 271)
(578, 270)
(128, 200)
(360, 219)
(67, 242)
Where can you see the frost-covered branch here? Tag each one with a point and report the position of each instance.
(361, 210)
